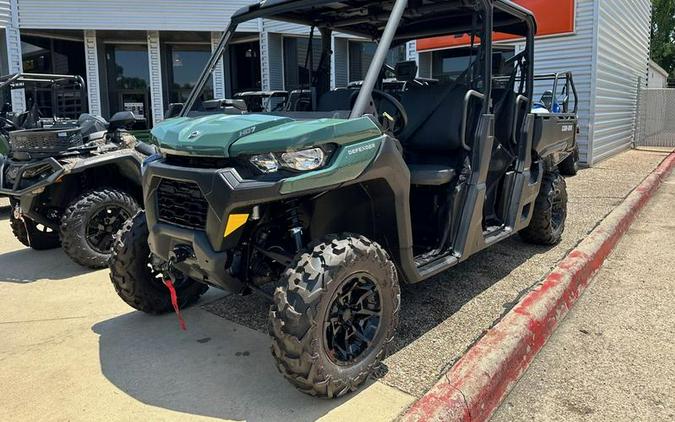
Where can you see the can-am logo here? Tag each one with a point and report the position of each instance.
(357, 150)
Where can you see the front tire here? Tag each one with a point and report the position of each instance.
(334, 315)
(134, 279)
(550, 212)
(89, 225)
(32, 235)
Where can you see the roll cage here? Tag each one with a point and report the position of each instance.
(390, 23)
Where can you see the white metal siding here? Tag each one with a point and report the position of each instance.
(341, 59)
(161, 15)
(93, 81)
(5, 13)
(622, 62)
(219, 72)
(155, 69)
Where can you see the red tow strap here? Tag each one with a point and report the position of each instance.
(174, 301)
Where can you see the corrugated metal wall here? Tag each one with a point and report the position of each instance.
(178, 15)
(622, 61)
(5, 13)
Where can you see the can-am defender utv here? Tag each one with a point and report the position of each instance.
(71, 182)
(334, 206)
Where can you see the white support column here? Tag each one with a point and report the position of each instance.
(219, 72)
(333, 67)
(155, 62)
(264, 57)
(93, 78)
(411, 49)
(14, 57)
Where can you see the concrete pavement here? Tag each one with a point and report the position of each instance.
(612, 357)
(70, 349)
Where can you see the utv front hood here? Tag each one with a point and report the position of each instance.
(210, 135)
(233, 135)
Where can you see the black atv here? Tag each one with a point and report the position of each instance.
(74, 184)
(326, 207)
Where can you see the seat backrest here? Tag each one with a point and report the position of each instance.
(337, 99)
(434, 118)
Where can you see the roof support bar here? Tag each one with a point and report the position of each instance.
(379, 58)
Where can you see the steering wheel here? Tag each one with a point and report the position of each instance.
(392, 114)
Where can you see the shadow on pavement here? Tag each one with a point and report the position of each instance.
(27, 265)
(215, 368)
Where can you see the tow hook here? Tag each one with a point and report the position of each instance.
(179, 254)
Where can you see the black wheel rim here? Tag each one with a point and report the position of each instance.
(103, 225)
(557, 211)
(353, 319)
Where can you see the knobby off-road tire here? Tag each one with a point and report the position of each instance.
(570, 165)
(79, 228)
(550, 212)
(306, 298)
(30, 234)
(134, 279)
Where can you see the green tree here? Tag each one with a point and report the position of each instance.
(663, 34)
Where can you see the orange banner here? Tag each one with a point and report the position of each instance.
(553, 18)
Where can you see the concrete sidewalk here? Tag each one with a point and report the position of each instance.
(612, 358)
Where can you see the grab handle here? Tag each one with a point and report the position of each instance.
(465, 114)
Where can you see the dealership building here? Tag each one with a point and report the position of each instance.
(142, 55)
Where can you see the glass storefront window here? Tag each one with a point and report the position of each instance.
(296, 74)
(245, 67)
(128, 79)
(361, 54)
(187, 62)
(52, 55)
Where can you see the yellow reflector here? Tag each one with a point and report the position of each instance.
(234, 221)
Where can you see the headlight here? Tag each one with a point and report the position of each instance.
(148, 160)
(303, 160)
(307, 159)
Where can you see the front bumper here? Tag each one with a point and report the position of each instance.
(14, 180)
(225, 192)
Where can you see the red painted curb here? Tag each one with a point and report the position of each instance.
(475, 386)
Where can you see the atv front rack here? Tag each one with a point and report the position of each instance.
(55, 171)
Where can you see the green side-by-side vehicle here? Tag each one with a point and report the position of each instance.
(338, 197)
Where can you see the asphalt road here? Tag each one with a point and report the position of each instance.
(613, 357)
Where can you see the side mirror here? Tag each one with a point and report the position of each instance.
(122, 120)
(174, 110)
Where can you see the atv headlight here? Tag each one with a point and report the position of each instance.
(266, 163)
(304, 160)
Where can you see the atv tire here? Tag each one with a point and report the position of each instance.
(308, 317)
(550, 212)
(136, 282)
(29, 233)
(89, 225)
(570, 165)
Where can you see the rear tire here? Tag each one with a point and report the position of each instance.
(550, 212)
(136, 282)
(313, 315)
(89, 225)
(32, 235)
(570, 165)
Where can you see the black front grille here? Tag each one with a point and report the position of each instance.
(182, 203)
